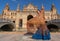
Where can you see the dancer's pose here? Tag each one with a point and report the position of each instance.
(42, 31)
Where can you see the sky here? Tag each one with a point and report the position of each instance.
(46, 3)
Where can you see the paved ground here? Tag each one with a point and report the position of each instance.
(18, 36)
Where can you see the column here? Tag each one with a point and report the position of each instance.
(17, 24)
(24, 23)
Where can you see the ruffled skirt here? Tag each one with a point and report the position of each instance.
(39, 35)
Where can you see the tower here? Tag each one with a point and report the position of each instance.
(6, 11)
(6, 7)
(42, 7)
(53, 9)
(18, 8)
(53, 12)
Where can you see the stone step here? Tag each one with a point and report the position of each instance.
(21, 30)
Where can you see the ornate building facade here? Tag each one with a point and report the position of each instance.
(20, 17)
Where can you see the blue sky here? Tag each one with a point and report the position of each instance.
(13, 4)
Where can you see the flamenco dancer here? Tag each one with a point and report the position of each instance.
(42, 31)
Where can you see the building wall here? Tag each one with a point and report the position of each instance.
(18, 16)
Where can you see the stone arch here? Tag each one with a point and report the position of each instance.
(52, 27)
(7, 27)
(29, 17)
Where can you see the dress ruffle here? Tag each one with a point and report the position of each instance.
(39, 35)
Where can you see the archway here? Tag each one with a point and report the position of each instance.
(7, 27)
(29, 17)
(20, 23)
(52, 27)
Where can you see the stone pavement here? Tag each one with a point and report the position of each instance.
(20, 37)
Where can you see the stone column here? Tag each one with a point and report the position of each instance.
(17, 24)
(24, 23)
(24, 26)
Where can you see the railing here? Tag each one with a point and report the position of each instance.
(53, 21)
(5, 20)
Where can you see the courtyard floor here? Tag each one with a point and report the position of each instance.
(19, 36)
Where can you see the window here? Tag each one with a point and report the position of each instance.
(13, 21)
(11, 13)
(4, 13)
(15, 13)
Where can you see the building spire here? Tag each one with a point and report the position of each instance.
(42, 7)
(53, 7)
(7, 7)
(18, 7)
